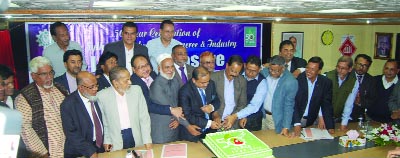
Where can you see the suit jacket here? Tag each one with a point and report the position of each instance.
(283, 100)
(189, 70)
(139, 117)
(321, 98)
(152, 107)
(118, 48)
(240, 87)
(78, 127)
(63, 81)
(367, 96)
(191, 102)
(103, 82)
(297, 63)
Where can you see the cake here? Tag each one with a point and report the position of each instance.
(352, 139)
(237, 144)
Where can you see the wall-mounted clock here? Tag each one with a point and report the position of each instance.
(327, 37)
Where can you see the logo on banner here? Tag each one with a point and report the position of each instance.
(250, 36)
(44, 39)
(347, 47)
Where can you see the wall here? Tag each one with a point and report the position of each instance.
(364, 41)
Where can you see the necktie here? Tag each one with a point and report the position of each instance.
(147, 82)
(97, 127)
(183, 75)
(357, 101)
(203, 98)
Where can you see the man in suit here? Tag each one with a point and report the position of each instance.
(107, 61)
(294, 64)
(143, 76)
(231, 90)
(126, 119)
(73, 64)
(7, 76)
(207, 60)
(363, 93)
(199, 99)
(183, 70)
(313, 99)
(126, 48)
(81, 119)
(279, 100)
(162, 44)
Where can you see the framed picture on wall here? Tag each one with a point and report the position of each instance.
(383, 45)
(397, 54)
(297, 39)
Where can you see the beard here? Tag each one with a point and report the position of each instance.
(90, 97)
(48, 86)
(166, 76)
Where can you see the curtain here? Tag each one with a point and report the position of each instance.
(6, 53)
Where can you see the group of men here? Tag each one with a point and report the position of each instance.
(145, 95)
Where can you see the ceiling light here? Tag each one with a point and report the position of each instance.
(204, 18)
(344, 11)
(8, 16)
(368, 21)
(114, 16)
(278, 19)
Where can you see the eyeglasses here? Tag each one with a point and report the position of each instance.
(274, 71)
(45, 74)
(143, 66)
(362, 65)
(96, 86)
(208, 62)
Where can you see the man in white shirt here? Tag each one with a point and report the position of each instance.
(162, 44)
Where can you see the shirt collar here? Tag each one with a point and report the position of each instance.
(84, 99)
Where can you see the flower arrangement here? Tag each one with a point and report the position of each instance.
(386, 134)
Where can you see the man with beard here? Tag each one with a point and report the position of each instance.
(73, 64)
(207, 60)
(81, 119)
(7, 75)
(125, 116)
(54, 52)
(39, 103)
(180, 57)
(164, 91)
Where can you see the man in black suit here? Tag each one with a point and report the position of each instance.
(199, 99)
(82, 120)
(183, 71)
(126, 48)
(107, 61)
(73, 63)
(313, 99)
(294, 64)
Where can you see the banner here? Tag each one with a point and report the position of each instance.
(223, 39)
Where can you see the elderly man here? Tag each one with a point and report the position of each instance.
(107, 61)
(60, 34)
(180, 57)
(294, 64)
(81, 119)
(125, 116)
(7, 76)
(279, 100)
(199, 99)
(126, 48)
(313, 99)
(73, 64)
(231, 90)
(164, 91)
(162, 44)
(39, 103)
(379, 111)
(207, 60)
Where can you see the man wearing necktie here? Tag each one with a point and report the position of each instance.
(82, 119)
(199, 99)
(184, 70)
(362, 95)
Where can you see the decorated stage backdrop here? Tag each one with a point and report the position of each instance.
(223, 39)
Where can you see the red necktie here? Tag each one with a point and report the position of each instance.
(97, 127)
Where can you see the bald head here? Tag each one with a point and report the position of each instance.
(84, 76)
(87, 85)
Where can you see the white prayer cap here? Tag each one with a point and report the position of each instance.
(162, 57)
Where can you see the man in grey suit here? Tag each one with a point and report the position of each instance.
(125, 117)
(231, 90)
(126, 48)
(183, 70)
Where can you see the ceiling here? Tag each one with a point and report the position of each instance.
(330, 11)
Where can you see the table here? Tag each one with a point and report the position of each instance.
(198, 150)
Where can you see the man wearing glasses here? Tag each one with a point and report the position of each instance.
(82, 120)
(182, 69)
(39, 103)
(362, 95)
(207, 60)
(126, 48)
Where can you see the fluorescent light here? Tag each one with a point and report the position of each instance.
(8, 16)
(344, 11)
(204, 18)
(244, 7)
(278, 19)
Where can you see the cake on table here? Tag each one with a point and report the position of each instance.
(237, 144)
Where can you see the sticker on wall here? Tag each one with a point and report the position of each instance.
(347, 48)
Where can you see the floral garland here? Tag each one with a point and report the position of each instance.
(386, 134)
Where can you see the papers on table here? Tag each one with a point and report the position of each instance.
(9, 145)
(174, 151)
(315, 134)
